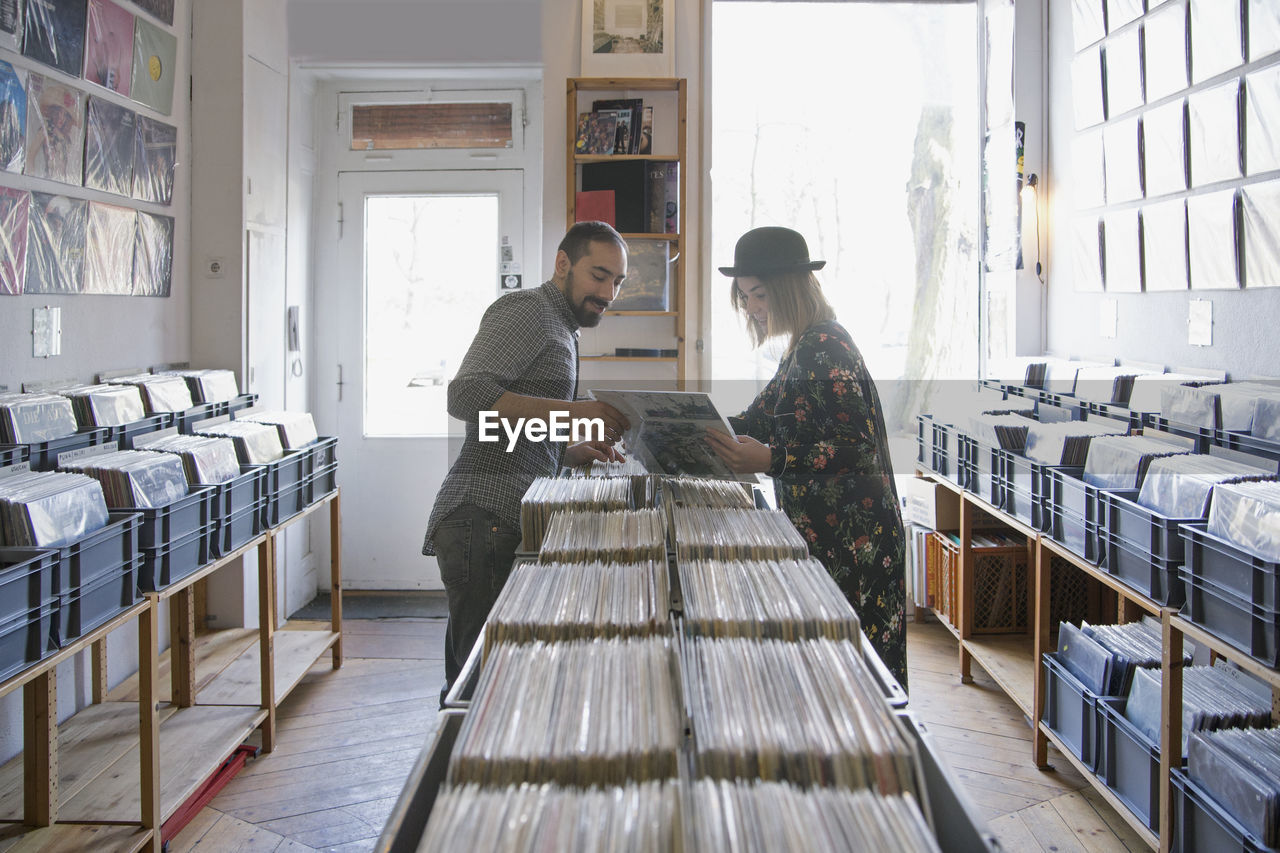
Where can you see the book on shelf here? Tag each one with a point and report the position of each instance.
(630, 113)
(597, 133)
(646, 132)
(647, 286)
(627, 180)
(594, 206)
(646, 193)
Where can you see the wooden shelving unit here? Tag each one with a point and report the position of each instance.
(109, 776)
(1014, 661)
(579, 92)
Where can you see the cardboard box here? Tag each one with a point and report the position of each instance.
(932, 505)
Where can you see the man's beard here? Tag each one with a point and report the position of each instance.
(586, 318)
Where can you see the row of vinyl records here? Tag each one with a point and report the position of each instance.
(31, 417)
(54, 508)
(1240, 500)
(750, 719)
(1229, 748)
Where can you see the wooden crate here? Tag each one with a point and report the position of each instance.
(1001, 585)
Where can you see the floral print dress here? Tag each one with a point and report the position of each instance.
(820, 416)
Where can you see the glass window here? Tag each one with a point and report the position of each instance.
(855, 124)
(407, 126)
(430, 269)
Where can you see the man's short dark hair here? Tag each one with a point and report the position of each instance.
(577, 242)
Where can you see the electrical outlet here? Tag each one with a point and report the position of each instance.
(215, 268)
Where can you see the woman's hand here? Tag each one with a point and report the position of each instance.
(743, 454)
(591, 451)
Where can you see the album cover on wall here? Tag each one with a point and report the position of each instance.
(13, 118)
(162, 9)
(53, 33)
(108, 54)
(154, 57)
(153, 255)
(15, 207)
(55, 131)
(108, 264)
(11, 24)
(154, 160)
(110, 141)
(55, 244)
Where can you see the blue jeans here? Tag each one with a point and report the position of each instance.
(474, 550)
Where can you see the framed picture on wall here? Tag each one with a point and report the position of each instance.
(628, 38)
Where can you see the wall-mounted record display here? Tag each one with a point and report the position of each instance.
(108, 54)
(55, 131)
(155, 55)
(55, 244)
(154, 160)
(11, 24)
(109, 251)
(110, 142)
(15, 209)
(53, 33)
(162, 9)
(13, 118)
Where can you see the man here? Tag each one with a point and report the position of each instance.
(522, 363)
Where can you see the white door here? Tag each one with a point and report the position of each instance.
(421, 255)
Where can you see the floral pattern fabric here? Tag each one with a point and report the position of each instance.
(821, 417)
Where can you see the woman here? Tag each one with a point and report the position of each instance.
(817, 429)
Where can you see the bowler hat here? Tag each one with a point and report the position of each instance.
(769, 251)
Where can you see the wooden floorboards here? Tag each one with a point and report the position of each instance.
(346, 741)
(987, 741)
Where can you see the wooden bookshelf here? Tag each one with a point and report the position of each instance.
(580, 91)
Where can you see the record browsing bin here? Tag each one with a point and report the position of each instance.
(1200, 822)
(28, 605)
(123, 435)
(1071, 711)
(239, 508)
(1129, 763)
(43, 455)
(98, 576)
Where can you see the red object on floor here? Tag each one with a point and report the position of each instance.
(206, 792)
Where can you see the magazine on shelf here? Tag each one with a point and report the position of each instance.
(668, 431)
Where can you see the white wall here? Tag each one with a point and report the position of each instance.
(1152, 326)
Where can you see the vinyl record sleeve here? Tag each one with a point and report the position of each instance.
(11, 24)
(109, 259)
(53, 33)
(110, 142)
(108, 54)
(15, 209)
(154, 66)
(55, 131)
(153, 255)
(154, 160)
(162, 9)
(13, 118)
(55, 244)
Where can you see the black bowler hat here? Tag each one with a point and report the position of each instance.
(769, 251)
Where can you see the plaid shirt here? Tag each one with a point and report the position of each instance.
(527, 344)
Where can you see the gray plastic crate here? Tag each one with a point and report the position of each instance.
(28, 579)
(1212, 559)
(88, 558)
(1200, 823)
(98, 602)
(174, 521)
(174, 560)
(1071, 710)
(27, 638)
(1129, 763)
(1249, 627)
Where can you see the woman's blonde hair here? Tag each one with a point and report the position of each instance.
(796, 302)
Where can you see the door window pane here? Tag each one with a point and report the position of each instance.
(431, 270)
(404, 126)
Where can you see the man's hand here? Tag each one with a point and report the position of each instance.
(590, 451)
(615, 423)
(743, 454)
